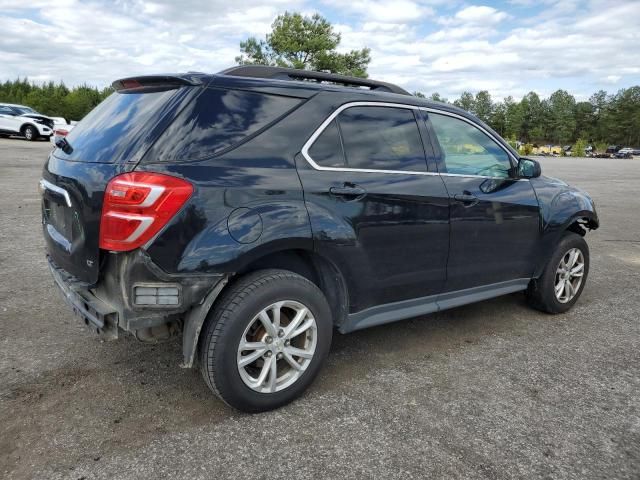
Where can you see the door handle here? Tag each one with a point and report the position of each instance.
(466, 198)
(348, 191)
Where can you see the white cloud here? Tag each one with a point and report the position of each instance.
(433, 45)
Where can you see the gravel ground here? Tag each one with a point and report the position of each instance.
(492, 390)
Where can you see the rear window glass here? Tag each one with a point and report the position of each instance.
(382, 138)
(116, 129)
(218, 119)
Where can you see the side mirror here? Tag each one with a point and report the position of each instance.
(528, 168)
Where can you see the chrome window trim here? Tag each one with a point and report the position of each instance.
(314, 136)
(45, 185)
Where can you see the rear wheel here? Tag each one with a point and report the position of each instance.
(30, 133)
(564, 276)
(265, 340)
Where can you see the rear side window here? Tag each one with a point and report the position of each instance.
(327, 149)
(373, 138)
(219, 119)
(382, 138)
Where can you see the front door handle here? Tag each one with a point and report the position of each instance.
(466, 198)
(352, 192)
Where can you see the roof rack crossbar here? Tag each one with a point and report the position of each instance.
(281, 73)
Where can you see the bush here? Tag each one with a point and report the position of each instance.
(579, 147)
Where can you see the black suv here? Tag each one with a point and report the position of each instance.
(255, 210)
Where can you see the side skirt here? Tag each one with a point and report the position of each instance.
(392, 312)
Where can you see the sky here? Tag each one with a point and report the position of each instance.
(507, 47)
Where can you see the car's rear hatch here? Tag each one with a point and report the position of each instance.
(108, 141)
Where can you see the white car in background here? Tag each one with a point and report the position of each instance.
(26, 122)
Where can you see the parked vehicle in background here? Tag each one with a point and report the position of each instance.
(612, 149)
(24, 121)
(257, 210)
(623, 153)
(629, 150)
(61, 131)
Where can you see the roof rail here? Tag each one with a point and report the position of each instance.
(281, 73)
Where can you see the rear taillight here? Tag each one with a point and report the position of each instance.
(61, 133)
(137, 205)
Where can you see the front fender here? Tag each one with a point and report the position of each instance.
(561, 207)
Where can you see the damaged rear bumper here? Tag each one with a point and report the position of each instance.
(114, 302)
(92, 311)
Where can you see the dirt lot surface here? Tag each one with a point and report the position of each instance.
(492, 390)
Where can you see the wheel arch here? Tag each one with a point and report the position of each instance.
(579, 223)
(318, 269)
(24, 126)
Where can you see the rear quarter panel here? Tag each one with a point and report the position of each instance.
(247, 203)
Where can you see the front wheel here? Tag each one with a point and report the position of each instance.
(564, 276)
(30, 133)
(265, 340)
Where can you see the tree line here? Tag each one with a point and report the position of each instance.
(559, 119)
(54, 99)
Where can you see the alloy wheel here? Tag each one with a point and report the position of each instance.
(569, 274)
(277, 346)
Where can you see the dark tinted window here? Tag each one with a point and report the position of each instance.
(326, 151)
(219, 119)
(381, 138)
(117, 128)
(467, 150)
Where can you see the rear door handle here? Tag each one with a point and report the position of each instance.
(346, 191)
(466, 198)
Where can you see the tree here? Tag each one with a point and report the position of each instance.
(585, 121)
(483, 106)
(531, 112)
(562, 115)
(498, 118)
(53, 99)
(578, 149)
(513, 117)
(303, 42)
(436, 97)
(465, 102)
(626, 117)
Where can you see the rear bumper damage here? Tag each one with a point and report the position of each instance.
(136, 296)
(93, 312)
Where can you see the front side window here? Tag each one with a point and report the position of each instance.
(381, 138)
(467, 150)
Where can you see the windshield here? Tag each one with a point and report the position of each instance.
(24, 110)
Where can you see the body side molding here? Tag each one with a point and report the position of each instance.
(396, 311)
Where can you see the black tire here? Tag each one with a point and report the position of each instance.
(232, 314)
(541, 291)
(30, 133)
